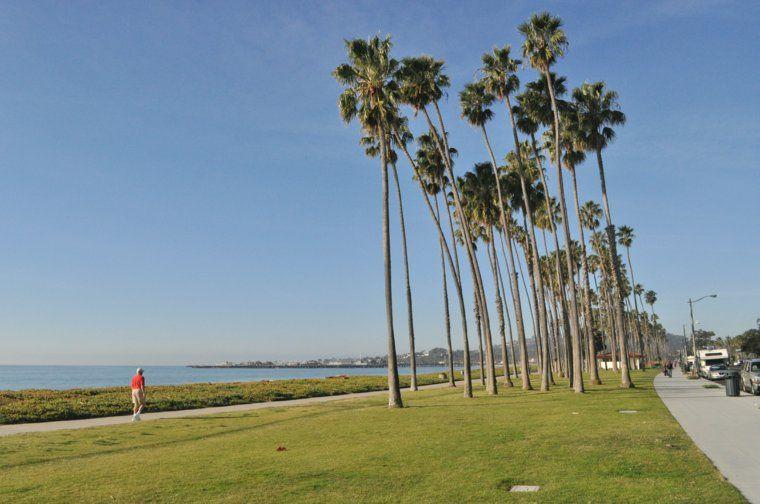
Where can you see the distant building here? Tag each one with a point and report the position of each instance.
(605, 360)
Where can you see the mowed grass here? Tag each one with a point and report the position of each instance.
(440, 448)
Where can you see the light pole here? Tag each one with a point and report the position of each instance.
(693, 337)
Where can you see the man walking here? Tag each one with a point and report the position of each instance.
(138, 394)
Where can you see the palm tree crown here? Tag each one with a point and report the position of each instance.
(545, 41)
(591, 212)
(475, 100)
(625, 236)
(650, 297)
(500, 72)
(597, 112)
(422, 81)
(370, 92)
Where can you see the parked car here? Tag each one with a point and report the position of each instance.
(750, 376)
(717, 372)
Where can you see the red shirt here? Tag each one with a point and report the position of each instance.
(138, 382)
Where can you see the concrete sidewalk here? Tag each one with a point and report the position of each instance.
(726, 429)
(7, 430)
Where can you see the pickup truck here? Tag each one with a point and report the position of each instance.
(750, 376)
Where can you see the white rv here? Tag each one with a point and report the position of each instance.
(707, 358)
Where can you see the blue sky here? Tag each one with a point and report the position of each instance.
(177, 185)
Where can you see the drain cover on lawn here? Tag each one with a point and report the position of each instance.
(524, 488)
(628, 411)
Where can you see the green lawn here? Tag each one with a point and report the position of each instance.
(441, 448)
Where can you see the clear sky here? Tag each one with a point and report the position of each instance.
(176, 184)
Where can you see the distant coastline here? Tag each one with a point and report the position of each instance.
(293, 366)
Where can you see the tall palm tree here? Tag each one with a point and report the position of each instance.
(453, 266)
(572, 158)
(423, 81)
(500, 80)
(369, 95)
(534, 108)
(431, 169)
(372, 149)
(545, 42)
(475, 100)
(625, 238)
(651, 298)
(524, 166)
(639, 290)
(478, 189)
(597, 112)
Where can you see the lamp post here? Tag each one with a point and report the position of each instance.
(693, 337)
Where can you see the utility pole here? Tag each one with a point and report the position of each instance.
(693, 335)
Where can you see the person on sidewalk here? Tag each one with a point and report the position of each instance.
(138, 394)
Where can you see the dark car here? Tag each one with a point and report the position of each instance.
(750, 376)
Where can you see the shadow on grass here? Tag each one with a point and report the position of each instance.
(175, 442)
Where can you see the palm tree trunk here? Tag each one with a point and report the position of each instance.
(500, 310)
(454, 268)
(612, 333)
(513, 275)
(557, 268)
(409, 309)
(443, 148)
(647, 329)
(537, 339)
(506, 308)
(476, 309)
(637, 328)
(574, 324)
(589, 325)
(446, 315)
(502, 210)
(616, 277)
(394, 390)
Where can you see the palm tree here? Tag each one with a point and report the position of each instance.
(638, 291)
(478, 189)
(431, 170)
(573, 157)
(597, 112)
(453, 266)
(372, 149)
(534, 107)
(651, 298)
(545, 42)
(422, 84)
(475, 100)
(500, 80)
(625, 238)
(524, 166)
(369, 95)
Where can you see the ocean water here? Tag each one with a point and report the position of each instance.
(67, 377)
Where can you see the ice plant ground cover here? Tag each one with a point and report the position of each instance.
(440, 448)
(25, 406)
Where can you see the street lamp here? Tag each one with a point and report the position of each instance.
(693, 337)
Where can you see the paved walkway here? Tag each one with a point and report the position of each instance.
(726, 429)
(7, 430)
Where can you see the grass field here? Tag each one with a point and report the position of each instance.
(441, 448)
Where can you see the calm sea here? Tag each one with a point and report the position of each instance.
(66, 377)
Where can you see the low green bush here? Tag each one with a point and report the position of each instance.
(48, 405)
